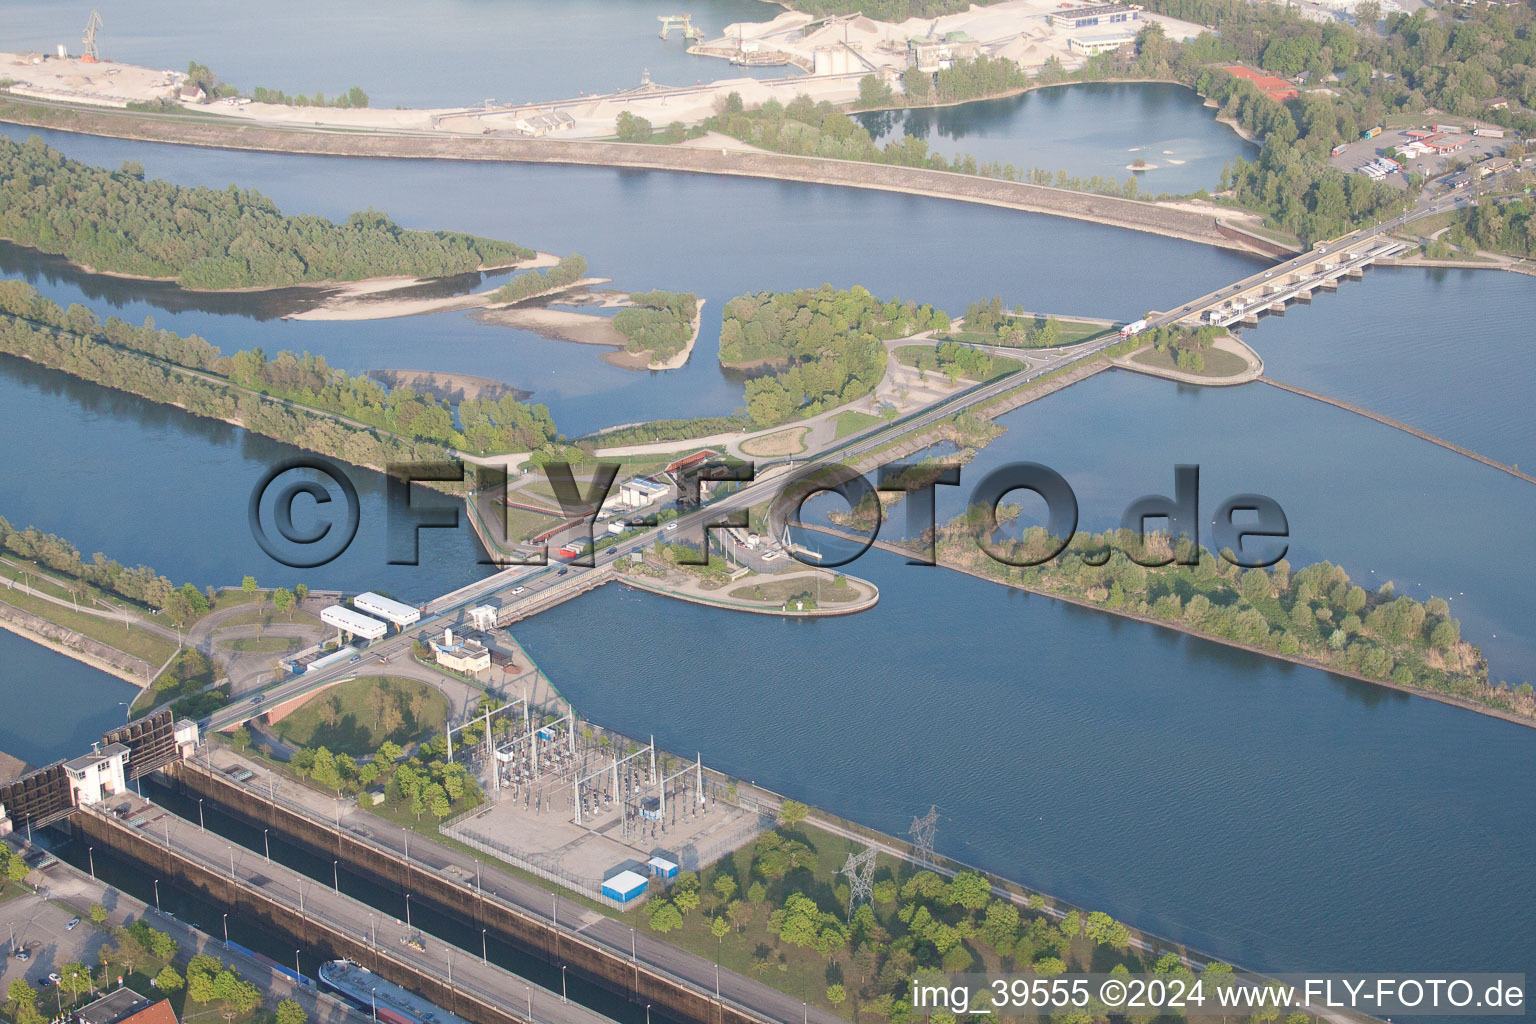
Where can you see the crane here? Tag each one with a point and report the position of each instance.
(91, 26)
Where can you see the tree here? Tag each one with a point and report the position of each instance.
(971, 890)
(282, 600)
(290, 1012)
(718, 926)
(300, 592)
(98, 913)
(241, 738)
(664, 916)
(835, 994)
(19, 995)
(725, 888)
(248, 586)
(168, 981)
(75, 979)
(792, 812)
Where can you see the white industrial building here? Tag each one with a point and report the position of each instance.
(640, 492)
(348, 621)
(461, 654)
(379, 606)
(1094, 43)
(97, 774)
(483, 616)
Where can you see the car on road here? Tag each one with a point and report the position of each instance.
(382, 659)
(671, 526)
(22, 954)
(354, 659)
(1269, 273)
(72, 922)
(258, 698)
(53, 978)
(518, 590)
(562, 572)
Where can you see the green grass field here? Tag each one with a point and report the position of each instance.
(263, 644)
(266, 615)
(135, 641)
(851, 421)
(1217, 363)
(346, 719)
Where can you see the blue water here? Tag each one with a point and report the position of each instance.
(52, 706)
(716, 237)
(148, 484)
(1447, 351)
(1097, 128)
(453, 53)
(1271, 814)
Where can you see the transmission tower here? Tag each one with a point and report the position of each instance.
(860, 869)
(922, 832)
(91, 26)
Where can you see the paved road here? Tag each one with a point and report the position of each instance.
(467, 973)
(70, 894)
(529, 898)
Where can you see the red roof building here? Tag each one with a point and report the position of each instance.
(1277, 89)
(156, 1013)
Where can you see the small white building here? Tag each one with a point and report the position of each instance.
(348, 621)
(461, 655)
(483, 616)
(97, 775)
(1092, 44)
(186, 738)
(381, 607)
(640, 492)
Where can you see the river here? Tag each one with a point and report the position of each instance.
(716, 237)
(457, 54)
(1272, 814)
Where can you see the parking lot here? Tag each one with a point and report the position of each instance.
(1363, 151)
(42, 930)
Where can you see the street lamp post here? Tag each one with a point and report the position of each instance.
(483, 958)
(407, 911)
(200, 815)
(157, 895)
(562, 984)
(90, 852)
(266, 846)
(336, 876)
(296, 969)
(226, 930)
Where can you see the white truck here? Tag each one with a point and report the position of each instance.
(1133, 328)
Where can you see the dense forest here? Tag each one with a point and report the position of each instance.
(827, 342)
(964, 80)
(536, 282)
(806, 128)
(1502, 226)
(1316, 612)
(659, 322)
(98, 574)
(119, 222)
(147, 362)
(1421, 61)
